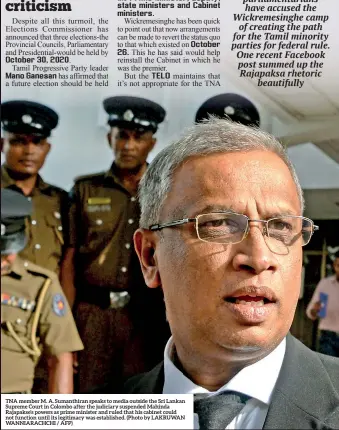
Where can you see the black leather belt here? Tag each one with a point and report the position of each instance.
(103, 297)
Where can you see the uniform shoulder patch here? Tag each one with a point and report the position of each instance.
(56, 189)
(59, 305)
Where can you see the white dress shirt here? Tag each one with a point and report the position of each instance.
(256, 381)
(329, 286)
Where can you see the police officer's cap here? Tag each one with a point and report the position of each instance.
(134, 113)
(236, 107)
(26, 117)
(15, 208)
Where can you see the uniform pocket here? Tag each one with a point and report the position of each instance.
(19, 320)
(54, 222)
(101, 226)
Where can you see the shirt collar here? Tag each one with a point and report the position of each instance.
(8, 181)
(256, 380)
(111, 175)
(18, 267)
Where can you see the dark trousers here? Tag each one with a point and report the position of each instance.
(329, 343)
(41, 376)
(113, 347)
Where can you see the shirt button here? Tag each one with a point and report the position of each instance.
(33, 221)
(18, 321)
(37, 246)
(127, 245)
(130, 221)
(98, 222)
(124, 269)
(29, 198)
(25, 264)
(133, 199)
(60, 228)
(57, 215)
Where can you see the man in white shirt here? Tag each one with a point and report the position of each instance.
(221, 232)
(329, 318)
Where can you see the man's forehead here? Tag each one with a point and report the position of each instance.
(255, 167)
(219, 181)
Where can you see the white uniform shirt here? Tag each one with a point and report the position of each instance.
(256, 381)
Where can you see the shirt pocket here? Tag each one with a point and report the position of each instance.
(101, 227)
(18, 321)
(53, 221)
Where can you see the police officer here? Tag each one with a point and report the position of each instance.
(234, 106)
(120, 321)
(27, 126)
(34, 311)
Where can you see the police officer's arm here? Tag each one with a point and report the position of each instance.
(60, 375)
(59, 337)
(315, 305)
(67, 269)
(67, 275)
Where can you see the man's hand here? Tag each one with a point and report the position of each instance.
(315, 309)
(75, 362)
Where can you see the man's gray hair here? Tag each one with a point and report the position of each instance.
(209, 137)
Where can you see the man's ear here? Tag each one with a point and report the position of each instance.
(49, 147)
(109, 138)
(154, 141)
(145, 246)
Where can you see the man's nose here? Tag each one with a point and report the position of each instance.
(29, 147)
(253, 254)
(130, 143)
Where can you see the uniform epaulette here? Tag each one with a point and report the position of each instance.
(56, 189)
(89, 177)
(38, 270)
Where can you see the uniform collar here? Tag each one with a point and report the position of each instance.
(18, 267)
(112, 175)
(257, 380)
(8, 182)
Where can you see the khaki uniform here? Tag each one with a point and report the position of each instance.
(46, 226)
(34, 315)
(114, 308)
(45, 232)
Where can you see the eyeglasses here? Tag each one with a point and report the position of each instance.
(230, 227)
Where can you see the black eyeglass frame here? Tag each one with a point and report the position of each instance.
(175, 223)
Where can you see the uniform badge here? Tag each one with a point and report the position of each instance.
(128, 115)
(26, 119)
(99, 204)
(59, 305)
(99, 200)
(229, 110)
(17, 302)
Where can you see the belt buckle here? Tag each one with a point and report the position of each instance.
(119, 300)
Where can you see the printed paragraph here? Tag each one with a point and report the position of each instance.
(55, 52)
(155, 45)
(112, 411)
(280, 44)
